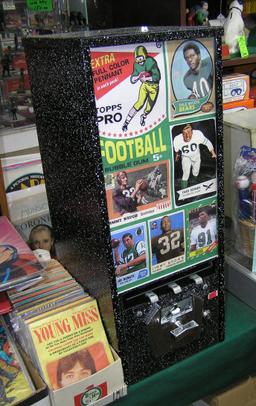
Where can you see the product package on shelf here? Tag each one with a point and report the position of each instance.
(238, 105)
(18, 264)
(235, 87)
(25, 192)
(22, 171)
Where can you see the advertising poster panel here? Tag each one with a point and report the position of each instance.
(157, 127)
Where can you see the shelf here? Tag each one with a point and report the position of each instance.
(15, 140)
(239, 61)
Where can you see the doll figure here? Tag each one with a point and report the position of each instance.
(202, 14)
(41, 237)
(234, 26)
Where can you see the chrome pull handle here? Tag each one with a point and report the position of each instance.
(178, 331)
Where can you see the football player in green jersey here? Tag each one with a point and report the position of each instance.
(199, 77)
(133, 257)
(145, 69)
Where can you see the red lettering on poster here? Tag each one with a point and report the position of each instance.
(109, 69)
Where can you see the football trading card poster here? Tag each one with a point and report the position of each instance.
(157, 126)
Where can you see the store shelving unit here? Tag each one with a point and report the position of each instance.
(235, 62)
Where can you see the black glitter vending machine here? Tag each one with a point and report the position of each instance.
(130, 131)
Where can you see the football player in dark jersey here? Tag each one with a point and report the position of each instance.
(169, 244)
(125, 196)
(133, 258)
(199, 77)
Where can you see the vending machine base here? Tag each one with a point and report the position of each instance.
(170, 322)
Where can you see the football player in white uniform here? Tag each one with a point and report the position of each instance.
(205, 233)
(186, 147)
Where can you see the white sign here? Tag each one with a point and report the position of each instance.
(9, 5)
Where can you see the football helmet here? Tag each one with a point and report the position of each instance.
(141, 54)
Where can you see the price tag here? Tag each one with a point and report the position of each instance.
(242, 46)
(39, 5)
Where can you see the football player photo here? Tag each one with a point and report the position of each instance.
(167, 241)
(203, 234)
(194, 160)
(192, 77)
(130, 254)
(136, 190)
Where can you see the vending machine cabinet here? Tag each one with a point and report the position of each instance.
(129, 124)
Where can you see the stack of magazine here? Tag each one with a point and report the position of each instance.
(18, 268)
(60, 327)
(18, 264)
(15, 382)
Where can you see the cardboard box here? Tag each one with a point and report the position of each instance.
(238, 105)
(235, 87)
(243, 394)
(99, 389)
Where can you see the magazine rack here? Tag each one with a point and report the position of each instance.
(111, 108)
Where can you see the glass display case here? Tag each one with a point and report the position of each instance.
(17, 20)
(239, 181)
(16, 105)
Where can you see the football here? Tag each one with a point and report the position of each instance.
(206, 107)
(144, 75)
(115, 242)
(144, 186)
(242, 182)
